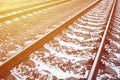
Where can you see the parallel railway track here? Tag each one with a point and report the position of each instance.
(9, 14)
(69, 49)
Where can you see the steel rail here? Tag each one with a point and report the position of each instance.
(24, 54)
(94, 70)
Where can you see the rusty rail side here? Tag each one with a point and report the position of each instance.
(95, 66)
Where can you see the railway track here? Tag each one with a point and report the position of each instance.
(111, 50)
(5, 22)
(68, 50)
(97, 59)
(13, 13)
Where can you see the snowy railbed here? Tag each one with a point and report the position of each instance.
(18, 33)
(68, 55)
(111, 58)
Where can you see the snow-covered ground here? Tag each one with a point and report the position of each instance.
(18, 33)
(69, 55)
